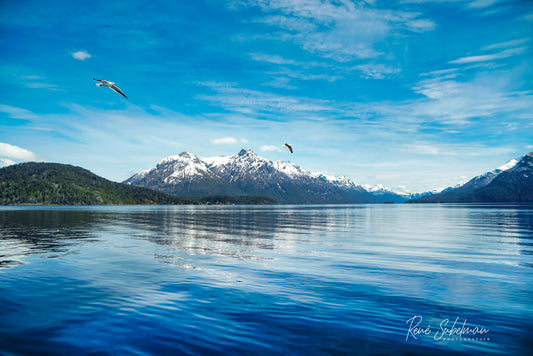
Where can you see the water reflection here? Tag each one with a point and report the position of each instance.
(227, 231)
(238, 232)
(26, 232)
(243, 232)
(283, 279)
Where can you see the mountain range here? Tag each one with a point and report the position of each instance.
(244, 178)
(512, 182)
(37, 183)
(246, 173)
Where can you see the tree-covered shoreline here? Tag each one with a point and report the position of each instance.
(35, 183)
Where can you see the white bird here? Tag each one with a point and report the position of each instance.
(288, 146)
(111, 85)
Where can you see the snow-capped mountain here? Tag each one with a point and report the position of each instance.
(389, 195)
(511, 182)
(484, 179)
(246, 173)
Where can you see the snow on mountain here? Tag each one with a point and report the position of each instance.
(510, 182)
(182, 166)
(246, 173)
(217, 161)
(486, 178)
(507, 165)
(291, 169)
(524, 166)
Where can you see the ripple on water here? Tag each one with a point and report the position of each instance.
(264, 280)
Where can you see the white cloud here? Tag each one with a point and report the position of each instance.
(490, 57)
(291, 24)
(429, 149)
(4, 162)
(16, 153)
(251, 102)
(17, 113)
(280, 82)
(270, 148)
(482, 3)
(305, 75)
(447, 100)
(223, 140)
(376, 71)
(81, 55)
(420, 25)
(473, 4)
(454, 102)
(34, 82)
(274, 59)
(114, 143)
(339, 30)
(454, 149)
(507, 44)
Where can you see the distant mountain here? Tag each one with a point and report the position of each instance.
(61, 184)
(246, 173)
(512, 182)
(386, 195)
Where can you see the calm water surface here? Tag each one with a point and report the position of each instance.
(268, 280)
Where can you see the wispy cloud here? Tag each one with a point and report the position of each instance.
(482, 3)
(453, 149)
(270, 148)
(81, 55)
(376, 71)
(490, 57)
(308, 75)
(17, 113)
(507, 44)
(27, 77)
(36, 82)
(429, 149)
(448, 101)
(224, 140)
(249, 101)
(341, 31)
(454, 102)
(287, 69)
(473, 4)
(275, 59)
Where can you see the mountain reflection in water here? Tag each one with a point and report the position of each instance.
(265, 279)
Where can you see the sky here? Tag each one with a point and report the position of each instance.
(415, 95)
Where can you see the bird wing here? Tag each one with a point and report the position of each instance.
(98, 80)
(115, 88)
(289, 147)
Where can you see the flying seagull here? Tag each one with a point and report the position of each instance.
(111, 85)
(288, 146)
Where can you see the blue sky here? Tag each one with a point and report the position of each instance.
(412, 94)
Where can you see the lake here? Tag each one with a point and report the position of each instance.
(267, 280)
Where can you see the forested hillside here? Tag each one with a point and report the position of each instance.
(61, 184)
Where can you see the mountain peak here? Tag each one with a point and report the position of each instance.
(246, 152)
(511, 182)
(510, 164)
(247, 173)
(179, 157)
